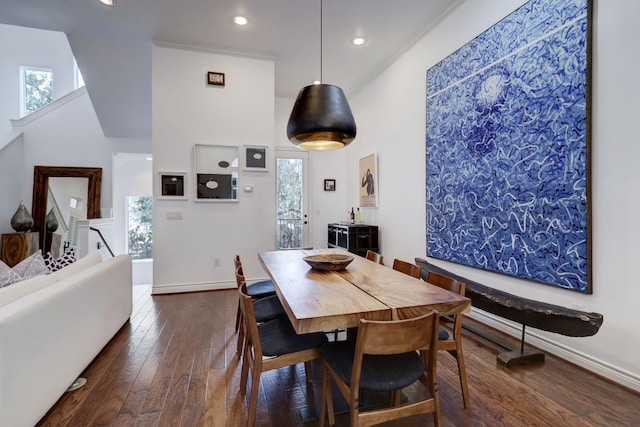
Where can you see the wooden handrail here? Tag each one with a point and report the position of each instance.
(103, 239)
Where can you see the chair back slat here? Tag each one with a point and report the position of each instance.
(240, 277)
(446, 282)
(400, 336)
(374, 256)
(249, 319)
(407, 268)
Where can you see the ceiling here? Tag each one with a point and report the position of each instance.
(113, 44)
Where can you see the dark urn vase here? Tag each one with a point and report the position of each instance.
(21, 220)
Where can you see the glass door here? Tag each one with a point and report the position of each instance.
(292, 227)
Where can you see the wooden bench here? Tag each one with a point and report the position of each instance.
(527, 312)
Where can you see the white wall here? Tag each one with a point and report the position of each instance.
(70, 135)
(21, 46)
(186, 112)
(12, 190)
(398, 96)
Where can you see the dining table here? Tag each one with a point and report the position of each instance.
(318, 300)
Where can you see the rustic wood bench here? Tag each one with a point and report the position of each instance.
(527, 312)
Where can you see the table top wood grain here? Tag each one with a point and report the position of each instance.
(324, 300)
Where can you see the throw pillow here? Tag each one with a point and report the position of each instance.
(7, 275)
(31, 266)
(55, 264)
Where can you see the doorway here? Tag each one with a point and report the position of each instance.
(292, 201)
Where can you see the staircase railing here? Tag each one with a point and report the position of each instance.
(103, 239)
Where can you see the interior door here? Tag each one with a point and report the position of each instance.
(292, 202)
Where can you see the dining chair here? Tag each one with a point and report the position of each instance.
(383, 359)
(265, 309)
(273, 345)
(452, 343)
(374, 256)
(261, 289)
(407, 268)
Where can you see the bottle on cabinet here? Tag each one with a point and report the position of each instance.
(358, 216)
(353, 216)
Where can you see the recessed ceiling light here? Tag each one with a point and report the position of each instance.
(240, 20)
(359, 41)
(108, 2)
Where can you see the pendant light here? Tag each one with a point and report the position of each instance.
(321, 118)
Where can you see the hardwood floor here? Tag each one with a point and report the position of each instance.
(174, 364)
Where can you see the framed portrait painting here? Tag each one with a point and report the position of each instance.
(368, 181)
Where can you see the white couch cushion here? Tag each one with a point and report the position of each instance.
(92, 258)
(20, 289)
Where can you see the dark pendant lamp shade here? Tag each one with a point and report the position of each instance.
(321, 119)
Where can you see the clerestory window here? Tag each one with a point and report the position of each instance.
(36, 89)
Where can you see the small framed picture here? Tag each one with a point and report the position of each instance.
(215, 79)
(256, 158)
(329, 185)
(172, 185)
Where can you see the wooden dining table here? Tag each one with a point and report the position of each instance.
(318, 301)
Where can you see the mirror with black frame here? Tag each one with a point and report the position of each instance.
(80, 189)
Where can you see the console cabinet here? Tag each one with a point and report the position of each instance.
(356, 238)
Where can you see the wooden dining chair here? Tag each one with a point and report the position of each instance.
(265, 309)
(452, 342)
(374, 256)
(261, 289)
(383, 359)
(273, 345)
(407, 268)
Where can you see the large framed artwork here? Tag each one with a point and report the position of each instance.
(508, 148)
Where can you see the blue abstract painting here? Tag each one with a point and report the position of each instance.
(507, 148)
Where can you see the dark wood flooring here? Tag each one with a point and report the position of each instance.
(174, 364)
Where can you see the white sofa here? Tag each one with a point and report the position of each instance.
(52, 327)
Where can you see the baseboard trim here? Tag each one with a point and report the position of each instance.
(589, 363)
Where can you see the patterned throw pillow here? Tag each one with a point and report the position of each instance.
(31, 266)
(7, 275)
(55, 264)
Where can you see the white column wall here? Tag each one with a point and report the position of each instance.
(186, 112)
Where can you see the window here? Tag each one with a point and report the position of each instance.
(140, 233)
(78, 80)
(36, 86)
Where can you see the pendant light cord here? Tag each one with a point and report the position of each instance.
(321, 80)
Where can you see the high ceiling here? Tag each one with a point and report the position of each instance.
(113, 44)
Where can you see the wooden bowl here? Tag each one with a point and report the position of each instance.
(328, 262)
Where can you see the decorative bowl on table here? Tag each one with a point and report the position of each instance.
(328, 262)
